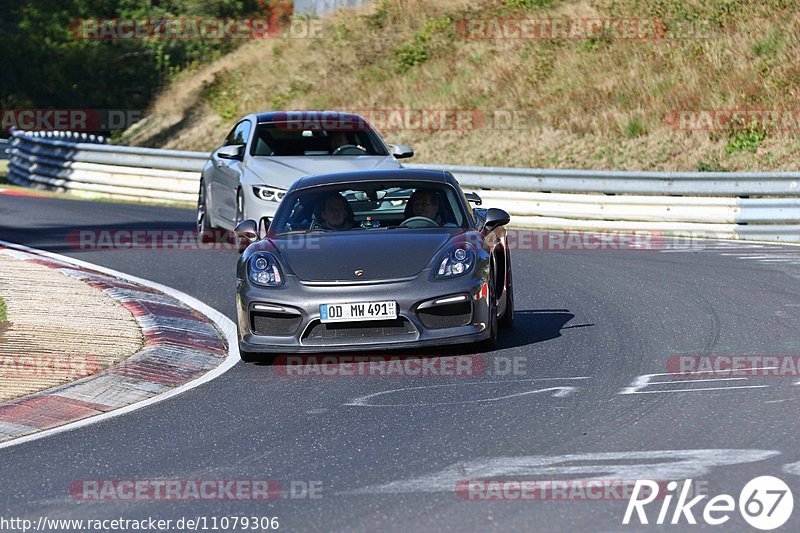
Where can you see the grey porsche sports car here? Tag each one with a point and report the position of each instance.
(265, 153)
(373, 260)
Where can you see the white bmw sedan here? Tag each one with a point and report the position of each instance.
(265, 153)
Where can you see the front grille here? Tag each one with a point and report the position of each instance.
(274, 324)
(371, 330)
(446, 316)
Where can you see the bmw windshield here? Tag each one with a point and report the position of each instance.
(298, 138)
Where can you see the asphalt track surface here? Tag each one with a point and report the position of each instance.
(607, 317)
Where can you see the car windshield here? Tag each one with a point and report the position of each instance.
(371, 206)
(295, 138)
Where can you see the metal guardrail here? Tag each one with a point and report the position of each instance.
(4, 149)
(710, 204)
(323, 7)
(626, 181)
(64, 161)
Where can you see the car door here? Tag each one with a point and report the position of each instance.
(226, 174)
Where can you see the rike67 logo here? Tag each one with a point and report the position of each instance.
(765, 503)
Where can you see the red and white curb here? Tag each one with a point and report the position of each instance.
(187, 343)
(14, 192)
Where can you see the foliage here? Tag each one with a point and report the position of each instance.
(710, 166)
(529, 4)
(223, 92)
(746, 140)
(434, 33)
(634, 128)
(49, 64)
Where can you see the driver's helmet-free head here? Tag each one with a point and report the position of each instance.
(333, 211)
(339, 138)
(425, 203)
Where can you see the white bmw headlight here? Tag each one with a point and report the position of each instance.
(268, 194)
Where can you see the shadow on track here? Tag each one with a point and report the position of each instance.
(531, 326)
(122, 237)
(536, 325)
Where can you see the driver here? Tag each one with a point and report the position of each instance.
(424, 203)
(341, 139)
(334, 213)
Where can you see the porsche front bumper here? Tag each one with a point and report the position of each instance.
(287, 319)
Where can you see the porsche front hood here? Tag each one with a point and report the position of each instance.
(381, 254)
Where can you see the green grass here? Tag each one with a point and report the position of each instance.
(745, 141)
(3, 314)
(635, 128)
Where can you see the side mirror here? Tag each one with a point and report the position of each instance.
(473, 198)
(494, 218)
(246, 234)
(263, 227)
(232, 151)
(402, 151)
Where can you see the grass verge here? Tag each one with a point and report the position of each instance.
(597, 102)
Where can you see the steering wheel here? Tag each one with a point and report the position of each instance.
(352, 148)
(418, 222)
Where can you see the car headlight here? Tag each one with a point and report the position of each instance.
(268, 194)
(458, 260)
(263, 269)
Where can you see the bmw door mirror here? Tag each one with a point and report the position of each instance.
(232, 151)
(495, 218)
(246, 234)
(402, 151)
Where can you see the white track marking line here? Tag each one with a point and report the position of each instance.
(769, 257)
(560, 392)
(641, 382)
(746, 243)
(225, 325)
(691, 381)
(701, 390)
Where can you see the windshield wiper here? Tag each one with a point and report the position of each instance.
(303, 231)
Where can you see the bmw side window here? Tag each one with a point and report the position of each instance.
(229, 137)
(241, 133)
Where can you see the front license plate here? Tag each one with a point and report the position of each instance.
(350, 312)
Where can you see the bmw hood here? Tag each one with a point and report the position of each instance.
(383, 254)
(281, 172)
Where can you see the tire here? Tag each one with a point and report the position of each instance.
(203, 226)
(239, 207)
(490, 344)
(207, 233)
(249, 357)
(507, 321)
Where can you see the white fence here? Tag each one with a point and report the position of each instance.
(715, 204)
